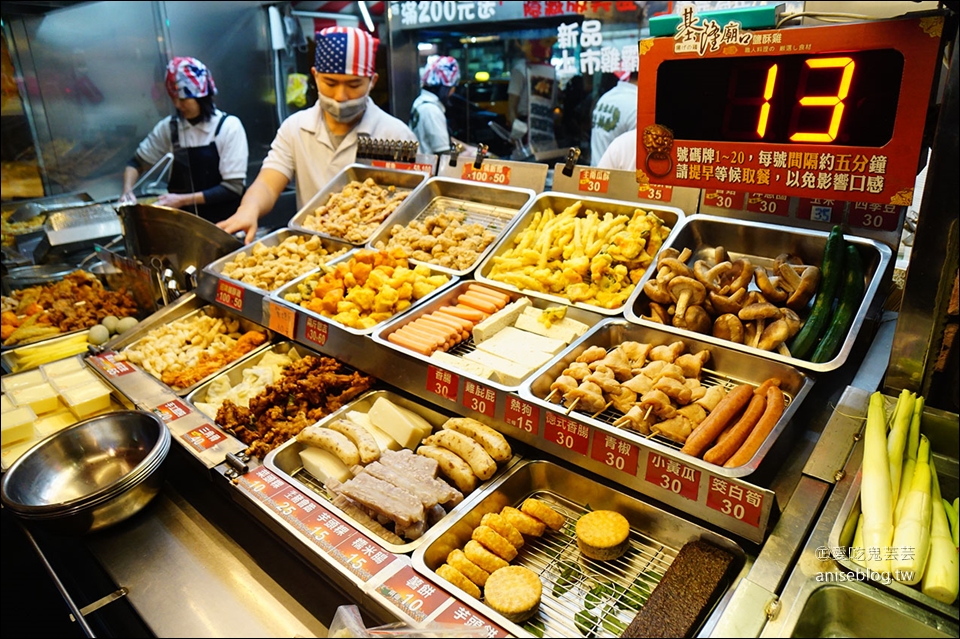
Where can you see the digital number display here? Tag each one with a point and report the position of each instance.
(840, 98)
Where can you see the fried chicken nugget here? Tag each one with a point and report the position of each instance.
(486, 560)
(457, 578)
(470, 570)
(494, 542)
(504, 528)
(523, 522)
(541, 510)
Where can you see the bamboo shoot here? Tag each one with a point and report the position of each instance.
(941, 579)
(898, 439)
(913, 442)
(911, 538)
(875, 491)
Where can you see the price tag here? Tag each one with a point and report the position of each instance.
(404, 166)
(230, 295)
(281, 319)
(489, 172)
(734, 500)
(321, 526)
(656, 192)
(479, 398)
(108, 363)
(523, 415)
(615, 452)
(172, 410)
(671, 475)
(413, 594)
(262, 483)
(876, 217)
(460, 615)
(315, 331)
(442, 383)
(203, 437)
(593, 180)
(769, 204)
(362, 557)
(730, 200)
(818, 210)
(567, 433)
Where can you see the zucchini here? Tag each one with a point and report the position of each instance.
(851, 294)
(830, 272)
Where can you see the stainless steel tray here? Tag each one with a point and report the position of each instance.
(495, 208)
(558, 202)
(941, 428)
(10, 354)
(188, 305)
(448, 299)
(726, 367)
(252, 301)
(409, 180)
(655, 538)
(285, 462)
(761, 243)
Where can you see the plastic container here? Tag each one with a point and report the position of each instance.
(76, 378)
(22, 380)
(87, 399)
(42, 397)
(62, 367)
(6, 404)
(17, 425)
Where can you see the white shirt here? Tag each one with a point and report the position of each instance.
(622, 153)
(303, 148)
(518, 87)
(231, 143)
(429, 122)
(614, 114)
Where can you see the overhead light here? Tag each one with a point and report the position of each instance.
(481, 76)
(475, 39)
(367, 20)
(425, 46)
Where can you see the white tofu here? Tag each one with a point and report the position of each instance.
(512, 339)
(474, 368)
(402, 424)
(384, 441)
(506, 372)
(566, 330)
(324, 465)
(499, 320)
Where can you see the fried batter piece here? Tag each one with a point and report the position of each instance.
(212, 362)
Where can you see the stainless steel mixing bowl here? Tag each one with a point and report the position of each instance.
(91, 475)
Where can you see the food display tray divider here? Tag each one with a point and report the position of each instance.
(567, 577)
(247, 300)
(404, 180)
(761, 243)
(671, 217)
(941, 428)
(495, 208)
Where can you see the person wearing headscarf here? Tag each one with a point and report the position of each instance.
(315, 144)
(209, 147)
(428, 115)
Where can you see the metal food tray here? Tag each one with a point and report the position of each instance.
(656, 537)
(285, 462)
(495, 208)
(187, 306)
(252, 296)
(558, 202)
(409, 180)
(761, 243)
(10, 353)
(291, 287)
(942, 429)
(448, 298)
(726, 367)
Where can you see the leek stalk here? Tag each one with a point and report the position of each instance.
(898, 439)
(875, 490)
(911, 538)
(913, 442)
(941, 579)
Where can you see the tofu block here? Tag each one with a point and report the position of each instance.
(512, 339)
(474, 368)
(42, 398)
(62, 367)
(17, 426)
(324, 465)
(60, 382)
(384, 441)
(22, 380)
(87, 399)
(12, 453)
(506, 372)
(565, 330)
(499, 320)
(6, 404)
(403, 425)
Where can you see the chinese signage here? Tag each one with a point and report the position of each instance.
(416, 15)
(522, 414)
(443, 383)
(594, 56)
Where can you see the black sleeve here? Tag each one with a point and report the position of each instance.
(220, 194)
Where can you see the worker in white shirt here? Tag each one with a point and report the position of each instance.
(428, 115)
(621, 154)
(614, 114)
(315, 144)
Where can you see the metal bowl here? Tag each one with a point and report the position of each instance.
(91, 475)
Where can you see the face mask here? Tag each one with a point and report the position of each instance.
(346, 111)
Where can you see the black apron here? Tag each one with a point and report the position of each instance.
(198, 169)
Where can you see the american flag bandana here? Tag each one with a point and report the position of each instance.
(346, 51)
(189, 78)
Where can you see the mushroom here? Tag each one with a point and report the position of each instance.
(737, 277)
(794, 323)
(786, 259)
(758, 313)
(710, 276)
(668, 259)
(770, 286)
(694, 319)
(720, 255)
(672, 267)
(751, 333)
(684, 291)
(657, 292)
(773, 335)
(659, 314)
(803, 287)
(754, 297)
(729, 327)
(731, 303)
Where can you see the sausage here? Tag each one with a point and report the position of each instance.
(478, 302)
(769, 419)
(493, 299)
(437, 317)
(762, 388)
(489, 291)
(464, 324)
(411, 342)
(450, 332)
(423, 334)
(471, 315)
(732, 438)
(708, 430)
(470, 309)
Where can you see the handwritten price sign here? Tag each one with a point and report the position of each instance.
(734, 500)
(316, 331)
(671, 475)
(488, 173)
(442, 383)
(230, 295)
(655, 192)
(567, 433)
(479, 398)
(282, 319)
(593, 180)
(522, 415)
(615, 452)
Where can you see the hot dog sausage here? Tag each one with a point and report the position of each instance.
(410, 342)
(471, 315)
(769, 419)
(716, 421)
(731, 439)
(478, 302)
(503, 297)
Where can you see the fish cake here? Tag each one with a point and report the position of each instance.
(475, 552)
(514, 592)
(470, 570)
(523, 522)
(494, 542)
(541, 510)
(457, 578)
(603, 535)
(504, 528)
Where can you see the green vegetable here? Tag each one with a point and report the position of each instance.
(897, 440)
(830, 271)
(613, 624)
(956, 522)
(850, 296)
(913, 442)
(596, 596)
(585, 622)
(570, 576)
(535, 627)
(952, 518)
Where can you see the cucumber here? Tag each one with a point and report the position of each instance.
(851, 294)
(830, 271)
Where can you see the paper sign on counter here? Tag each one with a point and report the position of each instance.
(615, 452)
(229, 295)
(479, 398)
(567, 433)
(443, 383)
(671, 475)
(740, 502)
(522, 414)
(281, 319)
(415, 595)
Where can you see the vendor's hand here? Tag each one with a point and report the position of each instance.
(173, 200)
(245, 220)
(127, 198)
